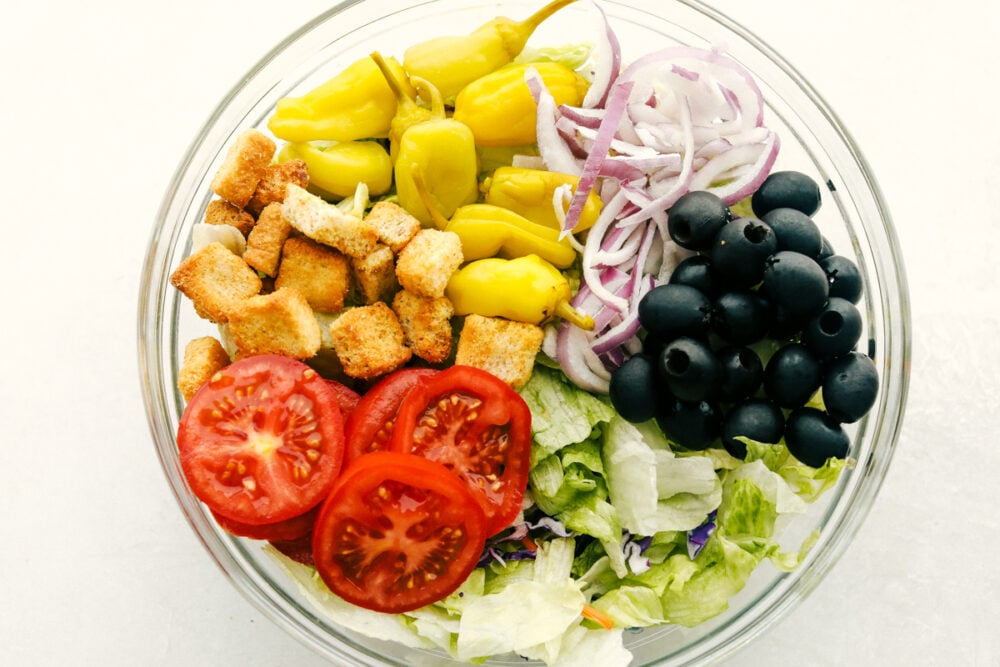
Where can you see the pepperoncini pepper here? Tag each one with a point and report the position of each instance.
(530, 193)
(486, 230)
(337, 169)
(437, 150)
(499, 107)
(452, 62)
(525, 289)
(357, 103)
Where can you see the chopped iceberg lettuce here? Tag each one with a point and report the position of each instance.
(561, 414)
(651, 488)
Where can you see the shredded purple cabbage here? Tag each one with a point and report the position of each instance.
(697, 537)
(634, 549)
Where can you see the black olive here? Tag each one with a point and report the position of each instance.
(787, 189)
(740, 251)
(690, 369)
(740, 317)
(632, 389)
(692, 425)
(813, 436)
(795, 231)
(843, 276)
(792, 375)
(757, 419)
(835, 330)
(742, 373)
(695, 219)
(669, 311)
(796, 283)
(850, 386)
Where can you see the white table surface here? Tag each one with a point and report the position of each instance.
(101, 99)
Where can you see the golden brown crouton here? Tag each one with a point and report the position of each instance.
(271, 188)
(375, 274)
(216, 281)
(277, 323)
(243, 167)
(426, 323)
(266, 240)
(203, 358)
(221, 212)
(327, 224)
(369, 341)
(321, 274)
(394, 225)
(428, 260)
(502, 347)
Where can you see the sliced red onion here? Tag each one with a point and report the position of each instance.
(552, 148)
(665, 201)
(594, 237)
(572, 347)
(678, 119)
(583, 117)
(608, 56)
(748, 183)
(598, 153)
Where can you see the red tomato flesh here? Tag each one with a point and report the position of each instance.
(262, 441)
(397, 532)
(369, 426)
(347, 398)
(289, 529)
(475, 425)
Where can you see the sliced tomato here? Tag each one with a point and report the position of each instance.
(369, 426)
(262, 441)
(397, 532)
(299, 550)
(474, 424)
(283, 531)
(347, 398)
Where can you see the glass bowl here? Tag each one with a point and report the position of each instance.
(854, 218)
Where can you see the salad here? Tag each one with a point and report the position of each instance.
(515, 357)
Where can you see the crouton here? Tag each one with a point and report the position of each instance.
(243, 167)
(426, 323)
(327, 224)
(271, 188)
(277, 323)
(321, 274)
(426, 263)
(375, 274)
(502, 347)
(393, 224)
(266, 240)
(369, 341)
(203, 358)
(221, 212)
(216, 281)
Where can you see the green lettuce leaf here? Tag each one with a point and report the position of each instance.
(561, 414)
(651, 488)
(498, 623)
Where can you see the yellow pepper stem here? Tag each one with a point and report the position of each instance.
(418, 183)
(397, 87)
(408, 112)
(574, 316)
(516, 34)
